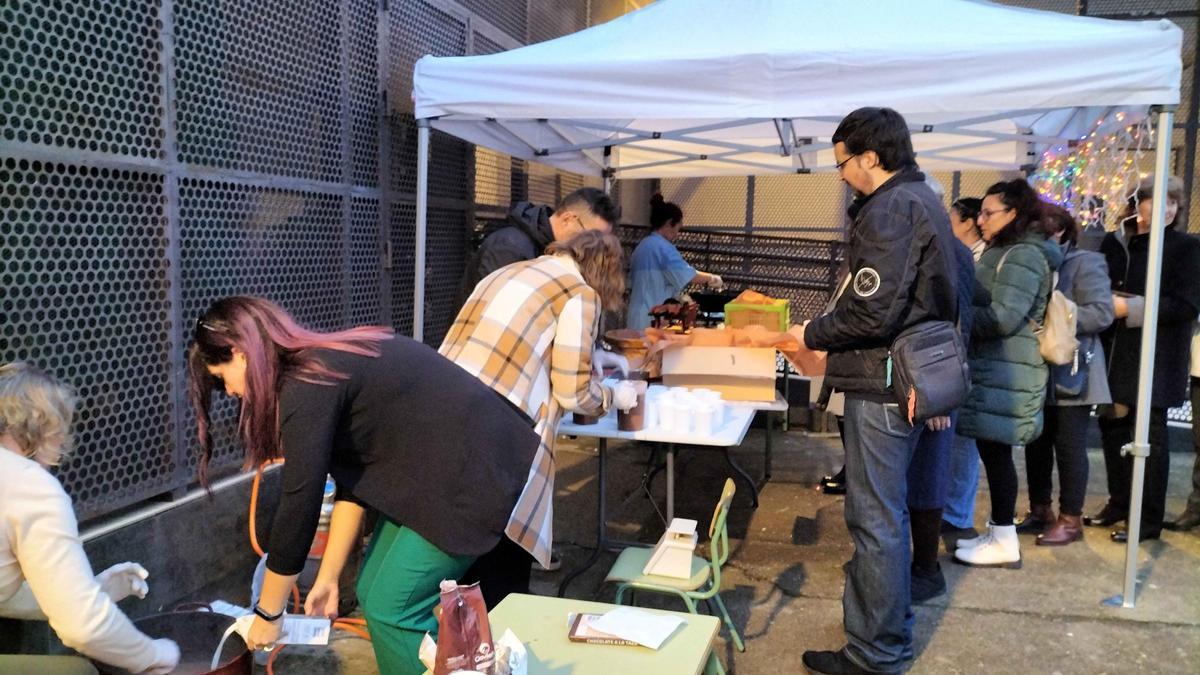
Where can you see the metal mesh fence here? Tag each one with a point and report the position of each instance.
(156, 155)
(84, 252)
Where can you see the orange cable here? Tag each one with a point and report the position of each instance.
(352, 629)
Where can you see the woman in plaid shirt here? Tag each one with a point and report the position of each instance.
(528, 331)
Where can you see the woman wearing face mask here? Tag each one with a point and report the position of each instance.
(1008, 373)
(44, 573)
(402, 430)
(1127, 253)
(656, 270)
(1083, 279)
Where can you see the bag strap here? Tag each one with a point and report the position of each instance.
(1037, 327)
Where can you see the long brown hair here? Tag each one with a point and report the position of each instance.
(275, 347)
(601, 262)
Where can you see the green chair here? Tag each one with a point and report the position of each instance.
(705, 582)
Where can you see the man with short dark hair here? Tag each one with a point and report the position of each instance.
(530, 228)
(903, 269)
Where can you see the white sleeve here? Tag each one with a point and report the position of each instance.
(50, 553)
(22, 605)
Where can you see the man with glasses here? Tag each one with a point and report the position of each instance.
(902, 268)
(530, 228)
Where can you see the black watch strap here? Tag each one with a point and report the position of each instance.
(262, 614)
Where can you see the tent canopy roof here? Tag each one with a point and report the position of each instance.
(713, 87)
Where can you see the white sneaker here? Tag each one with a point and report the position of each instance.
(1002, 550)
(976, 541)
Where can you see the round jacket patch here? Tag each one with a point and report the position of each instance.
(866, 282)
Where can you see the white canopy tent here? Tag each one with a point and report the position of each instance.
(720, 87)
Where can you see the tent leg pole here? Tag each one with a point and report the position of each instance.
(1140, 448)
(422, 220)
(608, 172)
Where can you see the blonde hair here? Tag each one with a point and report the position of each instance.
(601, 263)
(36, 410)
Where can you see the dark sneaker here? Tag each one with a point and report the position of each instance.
(927, 587)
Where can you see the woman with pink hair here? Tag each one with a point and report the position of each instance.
(404, 431)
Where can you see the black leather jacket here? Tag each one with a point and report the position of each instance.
(903, 272)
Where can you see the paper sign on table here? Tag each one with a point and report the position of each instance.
(647, 629)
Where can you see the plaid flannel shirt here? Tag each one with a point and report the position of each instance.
(527, 331)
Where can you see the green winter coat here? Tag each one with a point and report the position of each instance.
(1008, 373)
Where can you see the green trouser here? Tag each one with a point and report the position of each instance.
(46, 665)
(398, 589)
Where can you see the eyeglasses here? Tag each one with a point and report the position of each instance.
(840, 165)
(984, 214)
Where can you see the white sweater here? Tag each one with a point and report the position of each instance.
(45, 575)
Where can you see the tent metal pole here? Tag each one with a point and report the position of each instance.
(1140, 448)
(422, 220)
(608, 174)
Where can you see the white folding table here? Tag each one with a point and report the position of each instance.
(731, 433)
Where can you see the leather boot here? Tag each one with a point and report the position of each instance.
(1040, 518)
(1068, 529)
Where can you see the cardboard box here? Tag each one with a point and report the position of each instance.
(739, 373)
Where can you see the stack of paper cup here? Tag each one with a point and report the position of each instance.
(708, 396)
(655, 396)
(705, 414)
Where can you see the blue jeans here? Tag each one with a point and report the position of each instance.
(877, 606)
(964, 483)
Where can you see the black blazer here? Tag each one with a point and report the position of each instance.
(410, 434)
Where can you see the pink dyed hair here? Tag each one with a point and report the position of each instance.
(276, 347)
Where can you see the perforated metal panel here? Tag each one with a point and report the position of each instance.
(1062, 6)
(549, 20)
(418, 28)
(543, 183)
(81, 75)
(366, 254)
(258, 86)
(363, 55)
(507, 15)
(811, 206)
(83, 253)
(447, 237)
(403, 239)
(493, 180)
(709, 202)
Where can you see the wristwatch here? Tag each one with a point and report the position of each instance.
(269, 618)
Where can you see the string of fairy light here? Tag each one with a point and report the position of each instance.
(1093, 176)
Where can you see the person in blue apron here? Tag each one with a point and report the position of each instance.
(657, 271)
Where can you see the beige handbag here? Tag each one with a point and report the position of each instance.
(1056, 335)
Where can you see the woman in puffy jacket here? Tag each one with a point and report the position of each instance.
(1008, 373)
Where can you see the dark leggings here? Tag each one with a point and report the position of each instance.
(1002, 479)
(1064, 439)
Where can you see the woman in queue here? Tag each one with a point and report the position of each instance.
(44, 572)
(402, 430)
(1071, 393)
(1008, 373)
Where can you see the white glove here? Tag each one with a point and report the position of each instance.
(715, 281)
(123, 580)
(603, 359)
(166, 657)
(625, 397)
